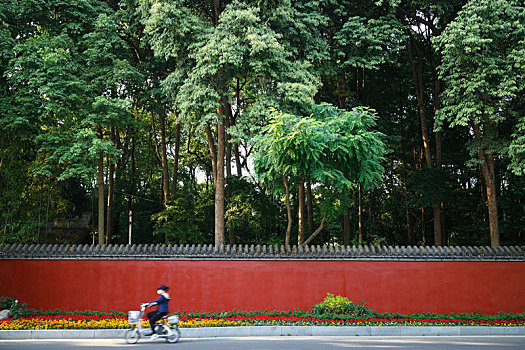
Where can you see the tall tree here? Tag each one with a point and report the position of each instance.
(72, 67)
(424, 21)
(231, 47)
(483, 58)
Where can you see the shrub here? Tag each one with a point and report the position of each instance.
(338, 305)
(16, 308)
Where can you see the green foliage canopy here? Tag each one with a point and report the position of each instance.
(483, 53)
(332, 148)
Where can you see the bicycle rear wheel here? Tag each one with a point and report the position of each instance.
(174, 336)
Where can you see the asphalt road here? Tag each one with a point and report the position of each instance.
(271, 343)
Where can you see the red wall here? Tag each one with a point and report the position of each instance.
(386, 286)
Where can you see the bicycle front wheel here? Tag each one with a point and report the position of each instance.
(132, 336)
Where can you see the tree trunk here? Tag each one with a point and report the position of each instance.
(101, 204)
(410, 230)
(131, 189)
(116, 178)
(439, 155)
(217, 161)
(164, 164)
(219, 181)
(164, 158)
(130, 221)
(316, 232)
(110, 224)
(231, 234)
(228, 160)
(216, 11)
(228, 156)
(309, 208)
(446, 238)
(228, 121)
(110, 211)
(372, 213)
(176, 160)
(357, 85)
(360, 213)
(489, 175)
(302, 213)
(423, 231)
(217, 156)
(346, 215)
(213, 152)
(438, 205)
(154, 138)
(346, 227)
(418, 85)
(288, 212)
(363, 95)
(238, 163)
(439, 139)
(436, 214)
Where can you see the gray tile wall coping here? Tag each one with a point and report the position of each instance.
(258, 252)
(229, 332)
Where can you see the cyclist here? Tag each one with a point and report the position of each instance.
(162, 308)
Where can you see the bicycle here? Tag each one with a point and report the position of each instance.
(166, 327)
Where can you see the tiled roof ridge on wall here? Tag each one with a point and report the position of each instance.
(257, 252)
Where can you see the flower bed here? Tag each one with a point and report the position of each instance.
(104, 322)
(309, 321)
(333, 311)
(117, 322)
(65, 322)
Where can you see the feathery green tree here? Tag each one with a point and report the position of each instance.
(332, 149)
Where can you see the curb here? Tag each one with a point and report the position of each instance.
(227, 332)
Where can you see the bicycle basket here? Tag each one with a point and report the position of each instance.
(133, 317)
(173, 319)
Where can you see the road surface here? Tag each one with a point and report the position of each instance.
(271, 343)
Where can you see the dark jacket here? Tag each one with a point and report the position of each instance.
(162, 303)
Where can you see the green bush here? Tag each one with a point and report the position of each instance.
(16, 308)
(332, 308)
(19, 309)
(338, 305)
(58, 312)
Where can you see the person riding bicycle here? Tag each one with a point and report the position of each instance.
(162, 308)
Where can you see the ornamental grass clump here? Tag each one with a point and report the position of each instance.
(338, 305)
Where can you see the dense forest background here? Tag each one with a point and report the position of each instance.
(262, 122)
